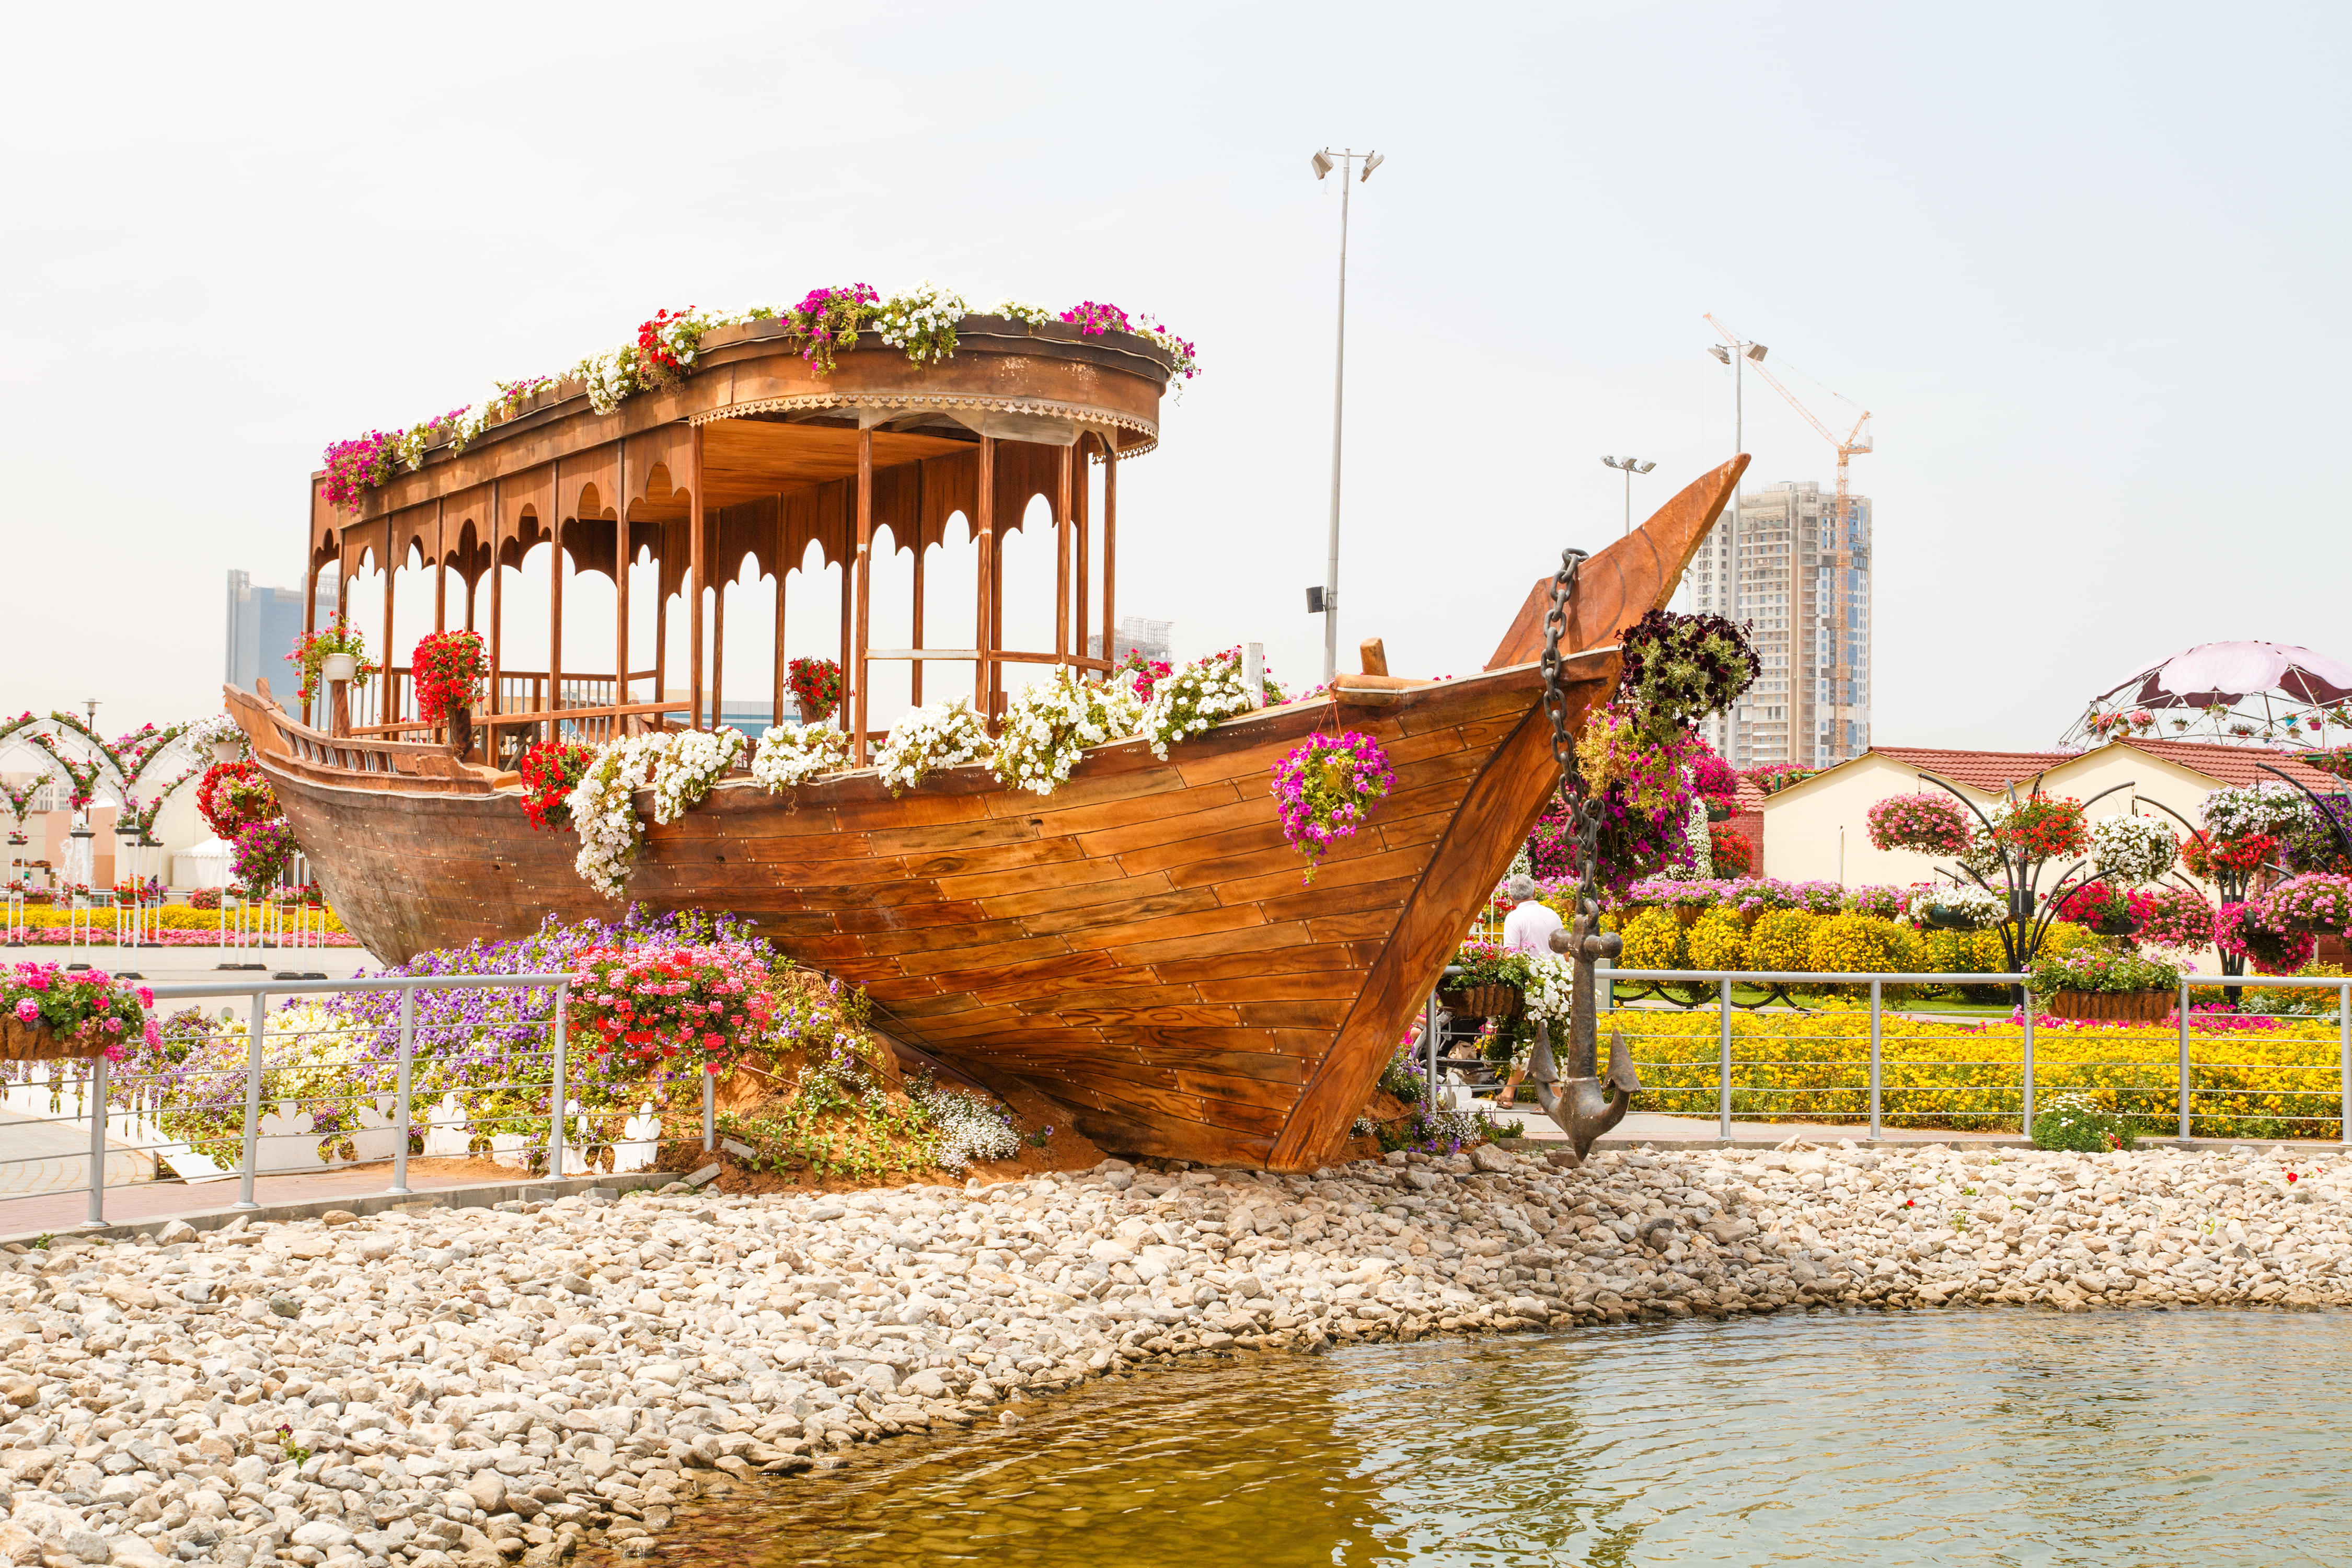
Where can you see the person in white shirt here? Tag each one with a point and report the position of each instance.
(1527, 929)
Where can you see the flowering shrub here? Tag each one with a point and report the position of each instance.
(1729, 851)
(2102, 969)
(1679, 668)
(265, 853)
(311, 651)
(1196, 696)
(1714, 779)
(447, 670)
(2238, 934)
(88, 1007)
(2174, 918)
(698, 1004)
(678, 766)
(943, 734)
(793, 755)
(549, 772)
(2133, 848)
(1653, 940)
(921, 321)
(234, 797)
(1675, 893)
(1719, 941)
(1928, 823)
(1324, 788)
(1049, 724)
(1782, 939)
(2319, 904)
(1879, 903)
(2072, 1120)
(1855, 943)
(827, 320)
(816, 687)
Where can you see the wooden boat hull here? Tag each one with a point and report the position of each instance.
(1142, 948)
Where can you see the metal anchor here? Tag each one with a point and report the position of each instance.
(1583, 1105)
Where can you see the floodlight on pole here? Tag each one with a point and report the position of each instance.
(1325, 160)
(1632, 465)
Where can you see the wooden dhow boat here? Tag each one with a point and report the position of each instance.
(1139, 947)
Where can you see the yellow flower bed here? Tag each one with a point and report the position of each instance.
(1815, 1067)
(174, 917)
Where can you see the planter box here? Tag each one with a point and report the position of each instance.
(1482, 1002)
(21, 1042)
(2114, 1007)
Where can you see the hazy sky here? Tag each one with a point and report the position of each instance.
(2084, 264)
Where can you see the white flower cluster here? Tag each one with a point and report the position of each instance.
(1981, 908)
(1035, 315)
(1550, 987)
(2269, 806)
(1700, 840)
(970, 1126)
(218, 727)
(609, 378)
(793, 754)
(940, 735)
(2133, 848)
(678, 766)
(1051, 722)
(1192, 698)
(921, 323)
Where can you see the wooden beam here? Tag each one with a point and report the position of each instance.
(915, 690)
(1081, 522)
(1062, 551)
(1376, 657)
(718, 652)
(624, 557)
(983, 615)
(440, 566)
(1111, 552)
(694, 552)
(864, 572)
(497, 603)
(776, 706)
(554, 619)
(384, 698)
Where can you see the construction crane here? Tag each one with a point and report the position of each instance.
(1857, 440)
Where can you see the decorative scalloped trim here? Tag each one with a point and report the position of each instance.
(800, 401)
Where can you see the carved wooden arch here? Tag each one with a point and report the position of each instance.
(524, 533)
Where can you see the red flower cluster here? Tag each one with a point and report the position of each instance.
(234, 797)
(816, 686)
(2043, 828)
(653, 348)
(549, 772)
(447, 670)
(648, 1006)
(2243, 856)
(1729, 850)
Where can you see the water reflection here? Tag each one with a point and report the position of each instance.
(1978, 1439)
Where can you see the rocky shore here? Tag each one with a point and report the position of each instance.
(486, 1386)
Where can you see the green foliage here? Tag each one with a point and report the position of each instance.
(2078, 1122)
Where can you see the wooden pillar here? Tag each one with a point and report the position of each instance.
(440, 566)
(1110, 548)
(776, 676)
(1061, 554)
(862, 638)
(490, 742)
(661, 639)
(841, 713)
(915, 669)
(383, 713)
(984, 615)
(694, 571)
(717, 650)
(1081, 523)
(624, 557)
(555, 622)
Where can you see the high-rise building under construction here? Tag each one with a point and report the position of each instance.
(1780, 564)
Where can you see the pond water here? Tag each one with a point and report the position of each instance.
(2214, 1438)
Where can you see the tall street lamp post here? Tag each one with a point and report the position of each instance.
(1632, 465)
(1326, 599)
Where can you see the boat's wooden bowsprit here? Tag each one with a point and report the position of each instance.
(1140, 947)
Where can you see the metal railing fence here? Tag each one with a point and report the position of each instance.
(205, 1106)
(2188, 1027)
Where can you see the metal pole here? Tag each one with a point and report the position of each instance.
(1339, 408)
(399, 1116)
(2184, 1061)
(710, 1114)
(1429, 1055)
(2343, 1063)
(96, 1105)
(555, 1105)
(252, 1100)
(2027, 1119)
(1723, 1062)
(1878, 1078)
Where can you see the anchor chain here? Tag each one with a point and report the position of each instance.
(1584, 811)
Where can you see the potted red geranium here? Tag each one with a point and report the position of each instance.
(816, 686)
(447, 669)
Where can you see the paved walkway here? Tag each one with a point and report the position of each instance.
(65, 1211)
(1648, 1127)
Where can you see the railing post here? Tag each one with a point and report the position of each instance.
(252, 1100)
(94, 1102)
(399, 1116)
(556, 1103)
(2026, 1119)
(1429, 1054)
(1876, 1077)
(710, 1114)
(2184, 1061)
(2344, 1064)
(1723, 1065)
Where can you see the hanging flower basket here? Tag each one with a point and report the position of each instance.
(1499, 1002)
(2113, 1007)
(40, 1043)
(1325, 787)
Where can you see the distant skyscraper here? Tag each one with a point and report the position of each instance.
(264, 624)
(1803, 591)
(1152, 639)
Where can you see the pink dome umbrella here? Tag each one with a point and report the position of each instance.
(2225, 673)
